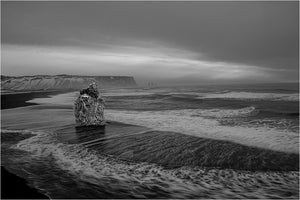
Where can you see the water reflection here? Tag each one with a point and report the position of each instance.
(77, 135)
(86, 133)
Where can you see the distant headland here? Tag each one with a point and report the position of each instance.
(63, 82)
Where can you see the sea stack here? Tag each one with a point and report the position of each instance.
(89, 107)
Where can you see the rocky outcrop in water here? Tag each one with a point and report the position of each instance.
(63, 82)
(89, 107)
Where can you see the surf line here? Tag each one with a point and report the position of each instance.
(93, 142)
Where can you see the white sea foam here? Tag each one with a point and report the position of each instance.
(278, 123)
(116, 94)
(251, 96)
(220, 113)
(61, 99)
(183, 182)
(183, 121)
(16, 131)
(185, 94)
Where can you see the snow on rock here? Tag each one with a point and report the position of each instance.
(63, 82)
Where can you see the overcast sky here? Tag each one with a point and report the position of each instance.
(164, 42)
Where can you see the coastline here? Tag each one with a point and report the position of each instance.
(13, 186)
(193, 151)
(19, 99)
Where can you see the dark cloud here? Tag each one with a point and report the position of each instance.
(254, 33)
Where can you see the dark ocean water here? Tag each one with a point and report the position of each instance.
(172, 142)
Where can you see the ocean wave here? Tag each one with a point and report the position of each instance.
(184, 121)
(276, 123)
(144, 180)
(252, 96)
(61, 99)
(174, 150)
(224, 113)
(185, 94)
(118, 94)
(8, 131)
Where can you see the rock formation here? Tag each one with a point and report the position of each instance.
(89, 107)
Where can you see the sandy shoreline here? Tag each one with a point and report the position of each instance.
(15, 187)
(18, 99)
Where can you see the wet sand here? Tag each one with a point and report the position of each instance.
(18, 99)
(14, 187)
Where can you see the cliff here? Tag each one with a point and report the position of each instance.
(63, 82)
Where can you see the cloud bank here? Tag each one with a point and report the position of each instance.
(165, 42)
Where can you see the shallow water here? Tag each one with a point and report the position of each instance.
(192, 148)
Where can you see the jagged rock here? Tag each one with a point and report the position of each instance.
(89, 107)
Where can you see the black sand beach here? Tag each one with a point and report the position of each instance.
(12, 186)
(17, 99)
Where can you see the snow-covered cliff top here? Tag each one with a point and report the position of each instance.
(63, 82)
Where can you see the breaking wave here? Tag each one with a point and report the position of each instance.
(62, 99)
(117, 94)
(199, 123)
(221, 113)
(289, 125)
(252, 96)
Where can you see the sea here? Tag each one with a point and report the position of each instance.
(204, 141)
